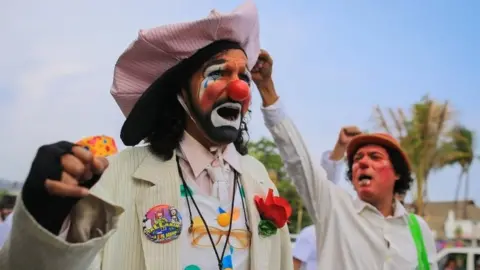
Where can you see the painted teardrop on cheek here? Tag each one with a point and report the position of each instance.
(210, 94)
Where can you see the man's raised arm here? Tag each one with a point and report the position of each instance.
(310, 179)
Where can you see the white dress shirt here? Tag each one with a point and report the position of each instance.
(305, 249)
(5, 228)
(351, 234)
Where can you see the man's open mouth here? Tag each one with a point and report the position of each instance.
(227, 114)
(364, 180)
(229, 111)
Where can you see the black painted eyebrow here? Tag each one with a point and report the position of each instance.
(213, 62)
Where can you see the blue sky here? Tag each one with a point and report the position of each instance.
(334, 61)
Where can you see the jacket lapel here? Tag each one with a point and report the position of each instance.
(164, 181)
(260, 246)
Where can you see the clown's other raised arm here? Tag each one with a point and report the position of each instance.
(316, 184)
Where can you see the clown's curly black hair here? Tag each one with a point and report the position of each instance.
(171, 123)
(403, 184)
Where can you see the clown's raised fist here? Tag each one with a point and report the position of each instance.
(346, 135)
(61, 174)
(262, 71)
(66, 170)
(262, 77)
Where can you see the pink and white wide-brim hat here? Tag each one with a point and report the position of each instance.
(159, 49)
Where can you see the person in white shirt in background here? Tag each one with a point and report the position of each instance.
(370, 232)
(5, 228)
(6, 207)
(305, 250)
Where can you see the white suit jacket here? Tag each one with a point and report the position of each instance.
(114, 211)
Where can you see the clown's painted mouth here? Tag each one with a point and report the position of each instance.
(227, 114)
(364, 180)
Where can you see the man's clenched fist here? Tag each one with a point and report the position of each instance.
(262, 76)
(346, 134)
(344, 137)
(262, 71)
(79, 166)
(61, 174)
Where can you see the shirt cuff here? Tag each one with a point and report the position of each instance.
(273, 114)
(333, 168)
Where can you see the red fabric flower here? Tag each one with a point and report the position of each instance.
(274, 208)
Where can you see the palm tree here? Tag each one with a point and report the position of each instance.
(463, 141)
(423, 137)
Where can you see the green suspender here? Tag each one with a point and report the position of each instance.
(416, 232)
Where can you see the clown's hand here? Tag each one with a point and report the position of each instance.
(61, 174)
(262, 71)
(262, 76)
(347, 134)
(67, 170)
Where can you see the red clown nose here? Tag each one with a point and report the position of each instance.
(238, 90)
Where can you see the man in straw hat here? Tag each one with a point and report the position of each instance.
(188, 200)
(373, 231)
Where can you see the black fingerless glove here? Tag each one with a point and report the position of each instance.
(49, 211)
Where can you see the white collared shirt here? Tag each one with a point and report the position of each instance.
(305, 249)
(351, 234)
(5, 228)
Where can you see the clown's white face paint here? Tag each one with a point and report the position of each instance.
(212, 87)
(219, 95)
(216, 78)
(211, 74)
(219, 121)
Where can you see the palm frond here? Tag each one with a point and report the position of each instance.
(425, 135)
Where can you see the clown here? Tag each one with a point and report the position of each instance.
(185, 90)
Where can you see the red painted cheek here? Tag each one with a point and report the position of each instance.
(384, 170)
(386, 173)
(211, 94)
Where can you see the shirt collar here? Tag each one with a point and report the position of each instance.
(400, 211)
(198, 157)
